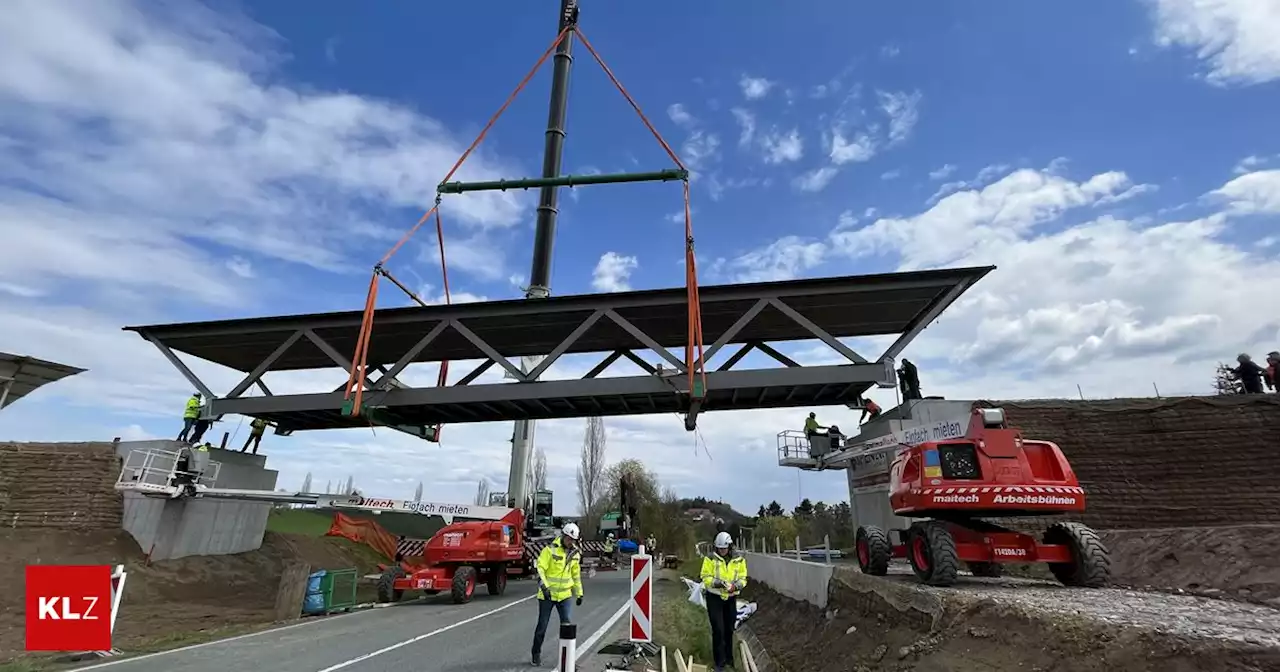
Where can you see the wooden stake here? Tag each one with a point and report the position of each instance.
(292, 591)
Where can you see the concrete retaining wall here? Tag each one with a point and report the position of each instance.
(170, 529)
(797, 579)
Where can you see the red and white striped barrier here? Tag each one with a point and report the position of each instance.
(642, 597)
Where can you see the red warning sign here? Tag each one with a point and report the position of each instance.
(641, 598)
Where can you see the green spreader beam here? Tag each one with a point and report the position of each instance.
(563, 181)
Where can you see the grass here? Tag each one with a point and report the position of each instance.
(299, 521)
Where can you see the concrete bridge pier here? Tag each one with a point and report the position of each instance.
(167, 529)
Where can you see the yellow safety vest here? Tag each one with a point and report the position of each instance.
(560, 572)
(810, 424)
(728, 570)
(257, 427)
(608, 546)
(192, 410)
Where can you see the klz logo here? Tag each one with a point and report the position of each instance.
(60, 609)
(68, 608)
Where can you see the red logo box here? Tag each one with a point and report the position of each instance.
(68, 607)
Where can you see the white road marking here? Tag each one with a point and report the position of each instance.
(419, 638)
(585, 647)
(130, 659)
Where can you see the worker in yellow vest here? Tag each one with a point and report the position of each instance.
(610, 547)
(724, 575)
(256, 429)
(559, 570)
(190, 415)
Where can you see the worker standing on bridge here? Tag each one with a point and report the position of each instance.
(1273, 370)
(724, 575)
(910, 382)
(559, 571)
(1249, 374)
(870, 410)
(256, 429)
(190, 415)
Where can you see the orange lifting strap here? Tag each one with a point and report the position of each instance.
(693, 346)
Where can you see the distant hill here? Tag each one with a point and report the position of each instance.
(718, 509)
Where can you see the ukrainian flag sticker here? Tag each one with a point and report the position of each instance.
(931, 459)
(933, 472)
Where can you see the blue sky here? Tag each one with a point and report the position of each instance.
(1118, 161)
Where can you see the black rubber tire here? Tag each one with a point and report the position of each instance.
(991, 570)
(1090, 565)
(386, 584)
(497, 581)
(464, 584)
(942, 562)
(878, 550)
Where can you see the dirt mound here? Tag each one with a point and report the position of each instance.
(173, 597)
(1173, 462)
(66, 486)
(1241, 562)
(879, 627)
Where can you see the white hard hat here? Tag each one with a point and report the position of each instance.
(723, 540)
(571, 530)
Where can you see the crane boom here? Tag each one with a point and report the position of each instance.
(544, 237)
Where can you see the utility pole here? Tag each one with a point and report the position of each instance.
(544, 236)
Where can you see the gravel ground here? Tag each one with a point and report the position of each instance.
(1182, 615)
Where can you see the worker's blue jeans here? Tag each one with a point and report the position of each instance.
(563, 607)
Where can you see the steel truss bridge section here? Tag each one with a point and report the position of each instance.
(743, 317)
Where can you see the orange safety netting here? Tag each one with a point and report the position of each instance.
(363, 531)
(694, 346)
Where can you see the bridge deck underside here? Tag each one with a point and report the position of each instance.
(640, 326)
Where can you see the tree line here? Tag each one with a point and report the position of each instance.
(812, 521)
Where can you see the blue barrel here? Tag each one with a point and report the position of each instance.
(628, 546)
(314, 602)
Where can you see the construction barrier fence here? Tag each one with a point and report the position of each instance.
(363, 531)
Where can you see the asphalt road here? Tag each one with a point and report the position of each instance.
(491, 634)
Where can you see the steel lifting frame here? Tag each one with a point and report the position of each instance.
(389, 393)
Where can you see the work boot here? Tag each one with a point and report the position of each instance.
(537, 659)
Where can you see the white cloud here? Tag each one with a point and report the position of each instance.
(891, 174)
(782, 259)
(240, 266)
(843, 151)
(983, 177)
(1111, 304)
(903, 110)
(700, 149)
(942, 173)
(1238, 39)
(613, 272)
(816, 179)
(680, 116)
(155, 135)
(783, 147)
(1257, 192)
(1005, 210)
(747, 122)
(755, 88)
(890, 51)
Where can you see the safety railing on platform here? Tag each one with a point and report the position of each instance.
(794, 448)
(163, 472)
